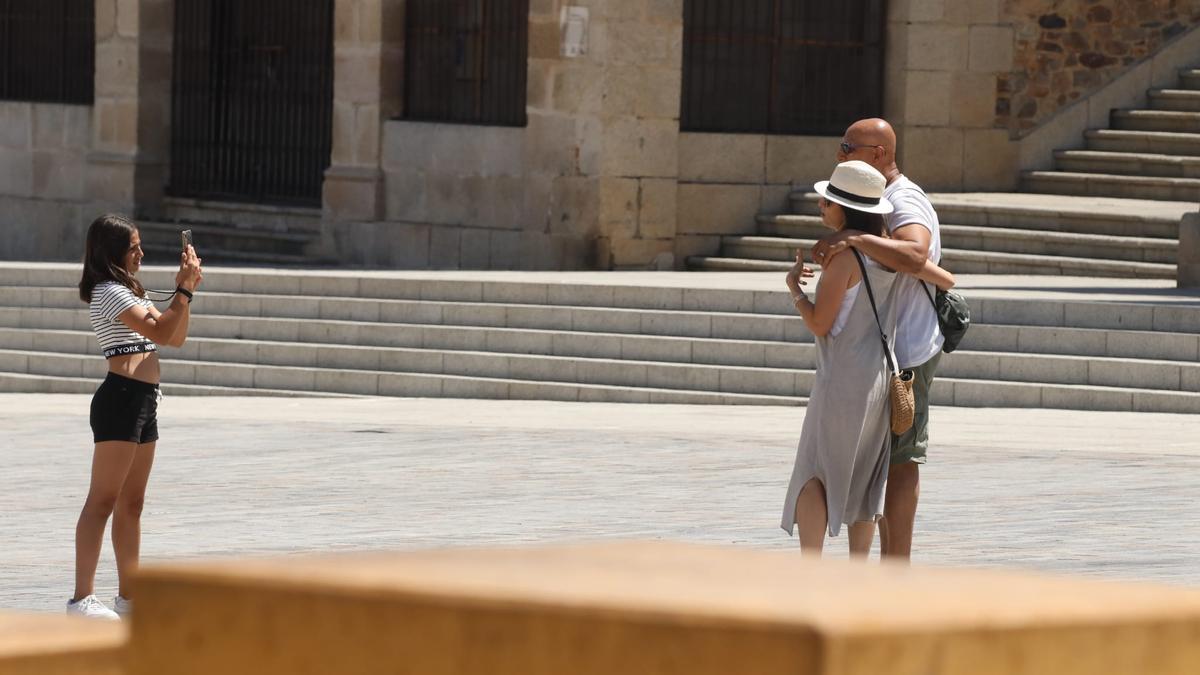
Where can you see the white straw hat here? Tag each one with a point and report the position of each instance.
(856, 185)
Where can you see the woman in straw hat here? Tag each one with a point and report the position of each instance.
(841, 464)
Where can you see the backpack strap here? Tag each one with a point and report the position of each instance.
(887, 352)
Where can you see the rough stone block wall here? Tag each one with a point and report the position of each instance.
(1066, 49)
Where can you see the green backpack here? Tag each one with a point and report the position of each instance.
(953, 314)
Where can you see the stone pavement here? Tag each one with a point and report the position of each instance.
(1098, 494)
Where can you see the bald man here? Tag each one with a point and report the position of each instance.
(918, 341)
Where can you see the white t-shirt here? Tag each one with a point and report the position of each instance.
(109, 301)
(918, 338)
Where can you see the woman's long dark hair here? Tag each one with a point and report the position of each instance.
(871, 223)
(108, 240)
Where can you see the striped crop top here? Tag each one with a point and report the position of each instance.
(109, 300)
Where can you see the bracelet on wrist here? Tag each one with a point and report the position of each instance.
(798, 297)
(185, 293)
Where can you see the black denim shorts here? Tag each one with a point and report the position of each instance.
(125, 410)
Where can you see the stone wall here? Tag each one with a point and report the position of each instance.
(591, 181)
(726, 179)
(1066, 49)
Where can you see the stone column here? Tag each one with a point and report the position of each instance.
(942, 66)
(368, 76)
(638, 126)
(1188, 274)
(129, 161)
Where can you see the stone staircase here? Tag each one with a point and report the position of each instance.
(1147, 154)
(586, 337)
(236, 234)
(1110, 210)
(995, 234)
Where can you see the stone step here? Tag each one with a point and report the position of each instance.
(962, 261)
(671, 371)
(1189, 78)
(249, 378)
(50, 384)
(223, 237)
(1185, 100)
(1156, 120)
(273, 217)
(1082, 218)
(1109, 185)
(761, 340)
(949, 390)
(716, 311)
(1152, 142)
(1127, 163)
(1005, 240)
(162, 252)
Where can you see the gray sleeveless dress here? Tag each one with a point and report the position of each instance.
(845, 441)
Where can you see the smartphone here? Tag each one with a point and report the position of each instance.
(186, 237)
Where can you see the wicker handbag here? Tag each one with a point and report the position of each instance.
(900, 386)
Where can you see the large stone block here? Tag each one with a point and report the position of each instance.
(972, 99)
(991, 49)
(366, 135)
(933, 157)
(722, 158)
(688, 245)
(545, 38)
(619, 207)
(925, 11)
(575, 207)
(356, 75)
(638, 43)
(644, 148)
(351, 194)
(990, 161)
(16, 173)
(928, 99)
(641, 254)
(58, 175)
(116, 69)
(16, 125)
(578, 89)
(127, 18)
(551, 145)
(800, 160)
(717, 209)
(43, 644)
(49, 125)
(936, 47)
(404, 195)
(642, 91)
(647, 608)
(106, 19)
(966, 12)
(658, 208)
(1188, 274)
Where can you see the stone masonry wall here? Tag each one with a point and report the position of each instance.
(1065, 49)
(726, 179)
(590, 182)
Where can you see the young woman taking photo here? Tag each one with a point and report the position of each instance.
(842, 462)
(124, 409)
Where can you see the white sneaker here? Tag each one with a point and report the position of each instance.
(122, 606)
(91, 608)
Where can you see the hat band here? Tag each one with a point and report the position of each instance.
(850, 196)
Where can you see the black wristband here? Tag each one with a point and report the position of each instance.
(186, 293)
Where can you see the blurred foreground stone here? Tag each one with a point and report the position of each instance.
(48, 644)
(633, 608)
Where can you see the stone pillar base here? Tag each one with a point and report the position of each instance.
(1188, 274)
(353, 194)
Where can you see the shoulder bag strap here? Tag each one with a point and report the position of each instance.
(866, 280)
(930, 296)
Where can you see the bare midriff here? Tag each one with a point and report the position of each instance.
(142, 367)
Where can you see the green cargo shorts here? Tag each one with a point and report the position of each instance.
(911, 446)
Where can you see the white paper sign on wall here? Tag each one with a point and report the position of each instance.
(574, 24)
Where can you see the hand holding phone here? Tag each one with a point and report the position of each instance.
(186, 237)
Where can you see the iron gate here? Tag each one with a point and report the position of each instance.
(252, 100)
(47, 50)
(781, 66)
